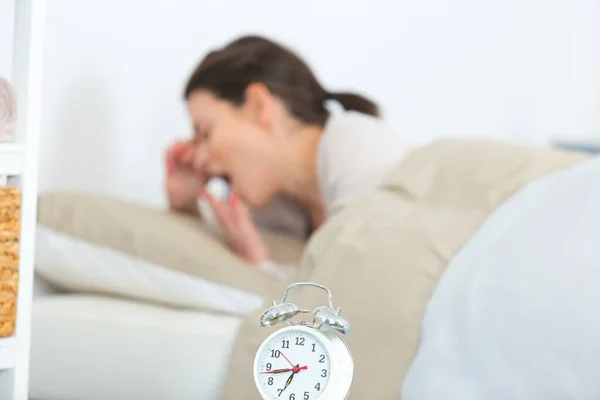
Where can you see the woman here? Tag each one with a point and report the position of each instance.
(260, 120)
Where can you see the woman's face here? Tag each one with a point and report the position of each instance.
(239, 143)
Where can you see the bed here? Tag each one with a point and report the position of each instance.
(415, 251)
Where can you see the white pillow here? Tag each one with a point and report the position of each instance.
(95, 243)
(76, 265)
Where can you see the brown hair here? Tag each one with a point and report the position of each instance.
(227, 73)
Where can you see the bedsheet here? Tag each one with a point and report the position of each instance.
(102, 348)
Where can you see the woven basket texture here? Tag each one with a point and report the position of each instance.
(10, 226)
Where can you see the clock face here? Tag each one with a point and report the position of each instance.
(293, 365)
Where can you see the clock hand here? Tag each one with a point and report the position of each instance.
(278, 371)
(287, 383)
(298, 368)
(287, 359)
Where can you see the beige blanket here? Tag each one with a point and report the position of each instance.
(384, 254)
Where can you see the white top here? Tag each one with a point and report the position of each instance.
(356, 153)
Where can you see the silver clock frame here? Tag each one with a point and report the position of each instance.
(327, 325)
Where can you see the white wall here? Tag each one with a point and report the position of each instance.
(7, 10)
(518, 69)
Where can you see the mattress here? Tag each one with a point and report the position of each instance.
(90, 347)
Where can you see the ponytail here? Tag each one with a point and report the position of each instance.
(355, 102)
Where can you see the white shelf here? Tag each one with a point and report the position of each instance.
(8, 353)
(12, 159)
(21, 159)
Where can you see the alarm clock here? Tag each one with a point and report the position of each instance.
(304, 360)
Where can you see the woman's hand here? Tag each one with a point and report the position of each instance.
(244, 237)
(183, 181)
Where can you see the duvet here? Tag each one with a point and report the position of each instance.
(515, 315)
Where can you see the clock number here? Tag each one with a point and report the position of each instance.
(285, 344)
(299, 341)
(279, 391)
(322, 358)
(292, 396)
(318, 387)
(323, 373)
(269, 366)
(275, 353)
(313, 346)
(270, 380)
(306, 396)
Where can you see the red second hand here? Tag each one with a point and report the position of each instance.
(286, 359)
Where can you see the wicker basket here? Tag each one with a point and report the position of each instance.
(10, 225)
